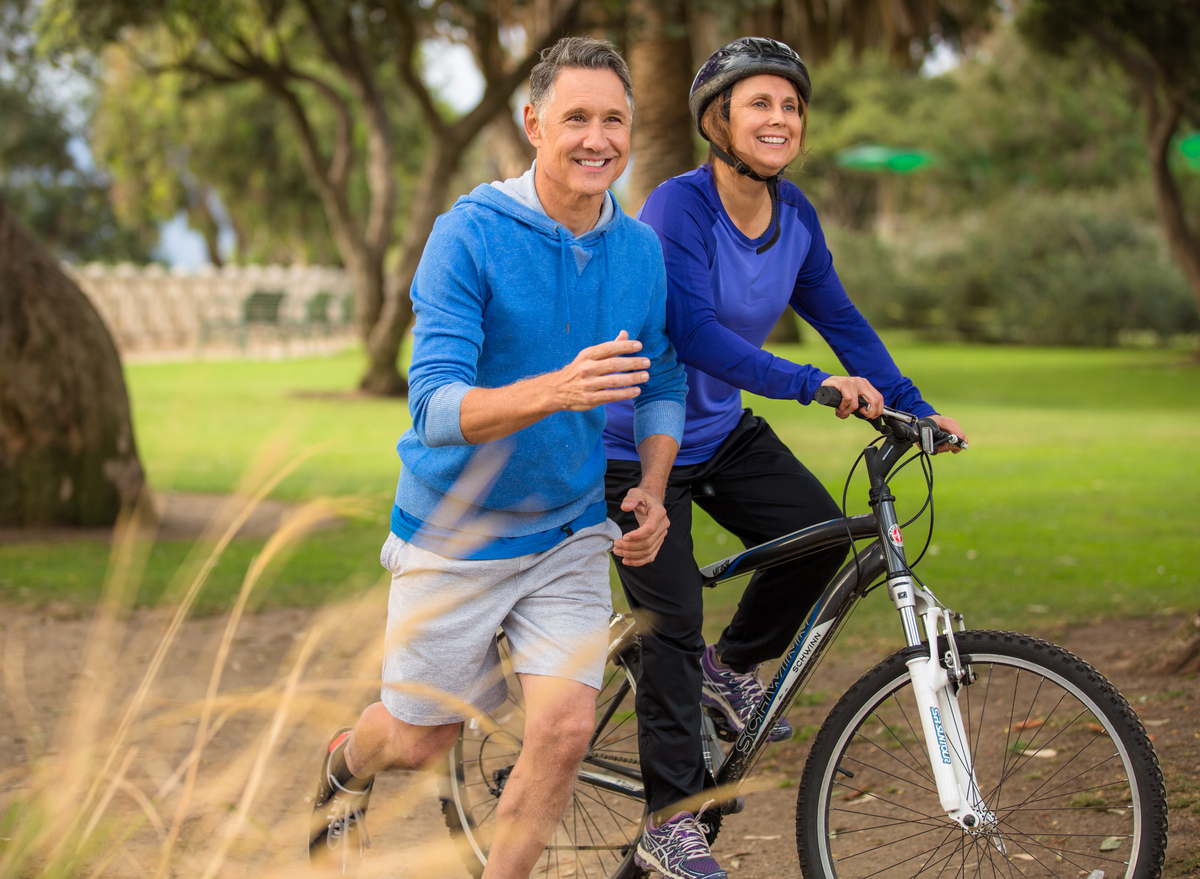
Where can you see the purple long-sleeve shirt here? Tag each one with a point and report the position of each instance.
(723, 299)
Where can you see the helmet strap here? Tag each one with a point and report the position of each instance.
(772, 188)
(738, 165)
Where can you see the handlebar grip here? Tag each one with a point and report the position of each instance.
(827, 395)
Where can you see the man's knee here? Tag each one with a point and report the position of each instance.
(381, 740)
(559, 729)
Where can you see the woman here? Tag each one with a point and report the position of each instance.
(741, 244)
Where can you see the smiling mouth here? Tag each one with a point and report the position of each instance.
(772, 141)
(593, 163)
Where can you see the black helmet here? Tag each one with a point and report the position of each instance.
(735, 61)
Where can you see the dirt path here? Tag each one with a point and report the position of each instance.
(47, 681)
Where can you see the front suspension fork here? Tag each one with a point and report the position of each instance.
(935, 679)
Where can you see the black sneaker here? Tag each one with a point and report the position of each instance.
(337, 835)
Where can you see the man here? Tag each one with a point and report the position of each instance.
(537, 301)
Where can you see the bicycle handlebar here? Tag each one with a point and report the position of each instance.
(902, 425)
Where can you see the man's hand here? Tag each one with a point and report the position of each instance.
(600, 374)
(950, 426)
(597, 375)
(852, 387)
(640, 546)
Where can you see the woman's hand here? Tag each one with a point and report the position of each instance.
(852, 387)
(950, 426)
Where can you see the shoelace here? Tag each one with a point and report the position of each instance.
(748, 693)
(346, 810)
(689, 835)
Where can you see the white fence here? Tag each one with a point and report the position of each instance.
(151, 308)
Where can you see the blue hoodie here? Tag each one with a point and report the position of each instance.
(504, 293)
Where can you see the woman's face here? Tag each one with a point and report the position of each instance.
(765, 122)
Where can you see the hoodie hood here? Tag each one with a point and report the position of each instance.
(517, 197)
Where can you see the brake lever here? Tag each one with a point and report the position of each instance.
(930, 443)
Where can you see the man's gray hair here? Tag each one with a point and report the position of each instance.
(579, 53)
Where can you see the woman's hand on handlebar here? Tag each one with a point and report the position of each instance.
(950, 426)
(851, 388)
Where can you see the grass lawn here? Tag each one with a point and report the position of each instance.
(1079, 497)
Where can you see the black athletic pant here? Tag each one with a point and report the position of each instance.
(756, 488)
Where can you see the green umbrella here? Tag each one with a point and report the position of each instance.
(872, 157)
(1190, 147)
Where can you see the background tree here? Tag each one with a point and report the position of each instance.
(337, 61)
(172, 148)
(1153, 42)
(67, 451)
(660, 62)
(44, 171)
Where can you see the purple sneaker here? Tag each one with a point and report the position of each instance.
(677, 850)
(735, 695)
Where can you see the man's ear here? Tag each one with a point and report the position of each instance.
(533, 128)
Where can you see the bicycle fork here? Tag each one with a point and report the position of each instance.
(935, 679)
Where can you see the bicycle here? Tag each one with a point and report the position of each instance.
(965, 752)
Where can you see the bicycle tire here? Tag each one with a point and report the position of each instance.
(599, 832)
(1062, 761)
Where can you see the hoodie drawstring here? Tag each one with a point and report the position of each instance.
(608, 309)
(564, 248)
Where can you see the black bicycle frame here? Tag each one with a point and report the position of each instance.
(884, 556)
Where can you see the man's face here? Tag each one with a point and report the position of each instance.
(582, 141)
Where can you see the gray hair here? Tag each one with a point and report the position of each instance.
(578, 53)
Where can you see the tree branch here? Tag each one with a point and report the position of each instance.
(499, 89)
(407, 37)
(322, 32)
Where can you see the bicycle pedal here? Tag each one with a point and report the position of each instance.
(725, 732)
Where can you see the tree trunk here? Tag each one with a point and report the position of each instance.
(786, 330)
(1178, 654)
(660, 62)
(67, 452)
(1185, 248)
(383, 345)
(508, 147)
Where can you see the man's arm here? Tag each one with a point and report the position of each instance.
(640, 546)
(598, 375)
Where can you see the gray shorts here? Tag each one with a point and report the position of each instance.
(441, 663)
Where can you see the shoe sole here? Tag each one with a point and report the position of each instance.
(649, 863)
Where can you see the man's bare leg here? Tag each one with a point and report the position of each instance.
(560, 716)
(381, 742)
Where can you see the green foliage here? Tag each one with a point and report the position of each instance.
(1167, 31)
(1004, 119)
(1033, 268)
(172, 145)
(1055, 271)
(66, 206)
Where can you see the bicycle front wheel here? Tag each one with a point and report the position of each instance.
(600, 829)
(1062, 762)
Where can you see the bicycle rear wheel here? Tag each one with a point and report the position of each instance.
(605, 817)
(1061, 759)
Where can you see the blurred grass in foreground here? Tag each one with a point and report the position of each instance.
(1078, 498)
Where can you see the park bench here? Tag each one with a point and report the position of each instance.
(261, 311)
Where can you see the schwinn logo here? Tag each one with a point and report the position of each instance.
(943, 746)
(757, 719)
(817, 634)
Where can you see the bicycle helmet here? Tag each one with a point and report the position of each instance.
(742, 58)
(733, 62)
